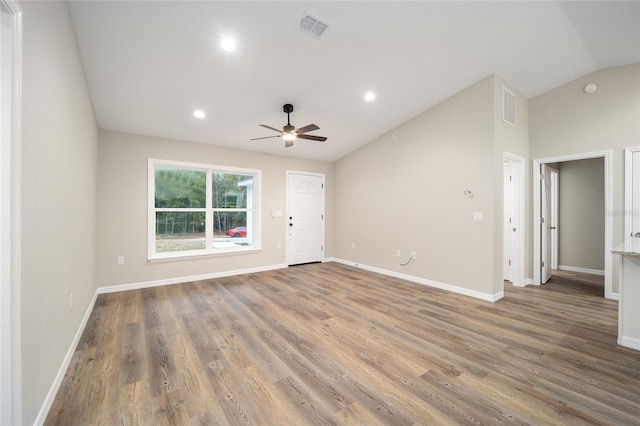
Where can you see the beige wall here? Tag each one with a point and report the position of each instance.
(122, 207)
(513, 140)
(581, 214)
(59, 168)
(567, 121)
(406, 192)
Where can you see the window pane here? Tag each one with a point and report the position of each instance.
(230, 229)
(177, 231)
(179, 188)
(230, 190)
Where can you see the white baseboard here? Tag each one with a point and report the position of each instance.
(581, 270)
(629, 342)
(170, 281)
(448, 287)
(53, 391)
(46, 406)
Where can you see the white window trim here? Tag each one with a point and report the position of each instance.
(152, 256)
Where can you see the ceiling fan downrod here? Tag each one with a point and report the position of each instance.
(288, 108)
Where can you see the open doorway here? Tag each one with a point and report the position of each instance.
(541, 247)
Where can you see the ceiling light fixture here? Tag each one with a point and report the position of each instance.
(199, 113)
(590, 88)
(290, 137)
(369, 96)
(228, 45)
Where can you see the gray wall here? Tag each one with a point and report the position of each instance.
(59, 169)
(122, 207)
(581, 214)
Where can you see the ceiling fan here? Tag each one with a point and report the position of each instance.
(289, 133)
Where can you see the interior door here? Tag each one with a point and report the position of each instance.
(305, 218)
(554, 219)
(507, 219)
(635, 197)
(545, 224)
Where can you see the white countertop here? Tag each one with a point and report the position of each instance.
(628, 249)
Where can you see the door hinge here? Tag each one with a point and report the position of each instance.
(542, 220)
(510, 178)
(509, 220)
(322, 185)
(321, 248)
(321, 217)
(542, 264)
(509, 262)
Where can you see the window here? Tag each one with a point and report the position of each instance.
(197, 209)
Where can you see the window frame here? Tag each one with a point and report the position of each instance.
(253, 212)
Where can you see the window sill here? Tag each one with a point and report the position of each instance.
(173, 256)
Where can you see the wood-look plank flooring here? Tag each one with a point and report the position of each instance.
(328, 344)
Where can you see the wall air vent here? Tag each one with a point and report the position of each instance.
(312, 25)
(508, 106)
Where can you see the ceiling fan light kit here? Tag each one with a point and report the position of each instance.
(289, 132)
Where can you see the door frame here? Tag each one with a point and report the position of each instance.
(628, 193)
(518, 202)
(287, 210)
(10, 213)
(608, 219)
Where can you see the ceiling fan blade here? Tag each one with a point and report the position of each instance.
(265, 137)
(309, 128)
(271, 128)
(313, 138)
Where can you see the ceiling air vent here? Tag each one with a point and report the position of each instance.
(508, 106)
(312, 25)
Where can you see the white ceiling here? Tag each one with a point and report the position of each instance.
(150, 64)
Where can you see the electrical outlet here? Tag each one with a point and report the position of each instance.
(279, 246)
(353, 245)
(120, 260)
(398, 253)
(70, 301)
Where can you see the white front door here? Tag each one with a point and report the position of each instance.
(545, 224)
(305, 218)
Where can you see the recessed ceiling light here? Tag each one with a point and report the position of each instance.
(369, 96)
(199, 113)
(228, 44)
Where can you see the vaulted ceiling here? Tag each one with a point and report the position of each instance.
(151, 64)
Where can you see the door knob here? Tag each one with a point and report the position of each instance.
(637, 234)
(291, 224)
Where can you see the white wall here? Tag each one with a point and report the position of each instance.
(406, 192)
(122, 207)
(59, 171)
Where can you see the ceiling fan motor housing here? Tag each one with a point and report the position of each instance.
(288, 108)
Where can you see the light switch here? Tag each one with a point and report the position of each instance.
(276, 213)
(478, 217)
